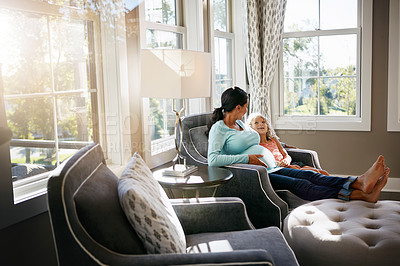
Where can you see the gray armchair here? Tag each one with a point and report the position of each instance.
(265, 206)
(90, 227)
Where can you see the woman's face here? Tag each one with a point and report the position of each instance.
(259, 124)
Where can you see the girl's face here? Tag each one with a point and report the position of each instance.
(260, 125)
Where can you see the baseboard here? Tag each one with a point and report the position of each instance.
(393, 184)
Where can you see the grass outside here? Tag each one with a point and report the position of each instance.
(42, 160)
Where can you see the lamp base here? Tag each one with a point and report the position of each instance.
(180, 170)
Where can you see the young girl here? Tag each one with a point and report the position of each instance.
(271, 142)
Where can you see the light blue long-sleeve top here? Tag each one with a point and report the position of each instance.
(228, 146)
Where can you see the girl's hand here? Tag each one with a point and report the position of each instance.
(253, 159)
(284, 163)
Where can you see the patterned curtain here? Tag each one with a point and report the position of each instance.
(264, 30)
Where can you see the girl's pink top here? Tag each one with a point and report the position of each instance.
(273, 148)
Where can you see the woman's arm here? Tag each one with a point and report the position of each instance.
(286, 157)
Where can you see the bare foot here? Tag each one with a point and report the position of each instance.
(374, 195)
(366, 182)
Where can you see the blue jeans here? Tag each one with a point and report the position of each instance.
(310, 185)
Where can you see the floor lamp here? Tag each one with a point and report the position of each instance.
(176, 74)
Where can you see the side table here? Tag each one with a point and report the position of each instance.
(204, 177)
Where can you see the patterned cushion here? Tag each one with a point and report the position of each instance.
(148, 209)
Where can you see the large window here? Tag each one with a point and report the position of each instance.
(163, 30)
(393, 111)
(324, 67)
(49, 86)
(223, 48)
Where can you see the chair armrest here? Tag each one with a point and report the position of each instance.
(239, 257)
(251, 184)
(308, 157)
(199, 215)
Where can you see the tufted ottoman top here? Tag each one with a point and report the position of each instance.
(336, 232)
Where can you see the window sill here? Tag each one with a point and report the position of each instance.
(311, 123)
(30, 188)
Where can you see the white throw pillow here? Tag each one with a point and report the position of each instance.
(149, 210)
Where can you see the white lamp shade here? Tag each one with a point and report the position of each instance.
(173, 73)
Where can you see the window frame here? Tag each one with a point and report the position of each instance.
(165, 154)
(229, 34)
(362, 120)
(35, 187)
(393, 109)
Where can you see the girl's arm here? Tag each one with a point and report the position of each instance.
(286, 157)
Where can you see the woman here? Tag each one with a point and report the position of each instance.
(231, 141)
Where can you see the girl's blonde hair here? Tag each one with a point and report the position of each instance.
(270, 133)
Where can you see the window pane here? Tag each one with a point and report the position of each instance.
(73, 118)
(223, 67)
(31, 118)
(29, 161)
(338, 96)
(163, 39)
(24, 58)
(70, 54)
(301, 15)
(300, 96)
(162, 118)
(220, 15)
(161, 11)
(338, 55)
(338, 14)
(39, 85)
(31, 121)
(74, 3)
(158, 112)
(300, 57)
(162, 123)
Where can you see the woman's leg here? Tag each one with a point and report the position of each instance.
(302, 187)
(311, 186)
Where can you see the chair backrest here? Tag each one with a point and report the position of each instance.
(194, 139)
(88, 223)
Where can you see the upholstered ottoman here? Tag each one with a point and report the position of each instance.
(335, 232)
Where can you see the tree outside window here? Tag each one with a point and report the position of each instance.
(320, 73)
(46, 80)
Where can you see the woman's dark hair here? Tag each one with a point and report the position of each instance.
(230, 98)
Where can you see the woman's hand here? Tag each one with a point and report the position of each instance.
(294, 166)
(253, 159)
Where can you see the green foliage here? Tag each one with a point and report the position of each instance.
(220, 11)
(157, 119)
(168, 15)
(333, 91)
(29, 71)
